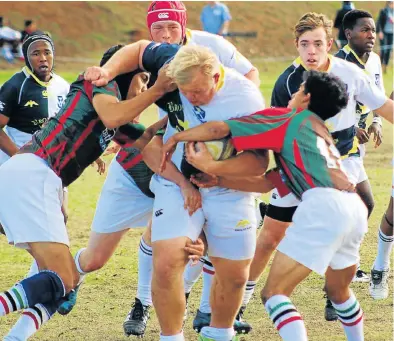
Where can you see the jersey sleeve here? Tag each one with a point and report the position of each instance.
(264, 130)
(156, 55)
(226, 13)
(111, 89)
(129, 133)
(230, 57)
(8, 99)
(280, 96)
(367, 92)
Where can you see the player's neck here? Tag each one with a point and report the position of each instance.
(363, 56)
(325, 66)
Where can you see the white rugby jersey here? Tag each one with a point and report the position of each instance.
(226, 52)
(372, 68)
(236, 97)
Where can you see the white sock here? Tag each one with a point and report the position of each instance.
(29, 322)
(249, 290)
(286, 318)
(177, 337)
(82, 273)
(218, 334)
(145, 265)
(33, 269)
(191, 275)
(208, 272)
(351, 316)
(385, 245)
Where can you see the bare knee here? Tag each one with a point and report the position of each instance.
(92, 261)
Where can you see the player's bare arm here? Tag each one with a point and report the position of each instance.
(151, 154)
(127, 59)
(214, 130)
(244, 164)
(254, 76)
(149, 133)
(386, 110)
(6, 144)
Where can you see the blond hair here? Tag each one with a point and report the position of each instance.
(311, 21)
(189, 59)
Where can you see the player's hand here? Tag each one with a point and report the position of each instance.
(204, 180)
(100, 165)
(196, 250)
(163, 82)
(97, 75)
(113, 149)
(200, 159)
(191, 197)
(376, 130)
(167, 150)
(362, 135)
(381, 35)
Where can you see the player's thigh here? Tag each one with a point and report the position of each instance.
(271, 233)
(169, 219)
(231, 271)
(318, 228)
(231, 224)
(121, 204)
(31, 200)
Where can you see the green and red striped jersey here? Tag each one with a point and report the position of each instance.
(76, 136)
(303, 147)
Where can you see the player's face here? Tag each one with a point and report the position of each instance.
(201, 89)
(313, 48)
(363, 35)
(41, 59)
(166, 32)
(138, 85)
(299, 100)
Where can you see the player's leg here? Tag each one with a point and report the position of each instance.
(378, 287)
(172, 228)
(31, 217)
(231, 235)
(137, 318)
(277, 219)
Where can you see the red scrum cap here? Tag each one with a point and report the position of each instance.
(167, 11)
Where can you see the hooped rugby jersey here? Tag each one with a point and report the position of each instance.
(29, 103)
(372, 68)
(359, 88)
(76, 136)
(303, 147)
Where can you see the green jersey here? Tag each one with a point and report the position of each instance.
(303, 147)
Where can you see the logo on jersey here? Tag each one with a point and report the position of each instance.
(243, 225)
(158, 213)
(106, 136)
(377, 79)
(60, 101)
(45, 93)
(30, 104)
(164, 15)
(2, 105)
(200, 114)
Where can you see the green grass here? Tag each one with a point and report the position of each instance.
(105, 297)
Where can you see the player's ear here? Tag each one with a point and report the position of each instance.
(296, 43)
(306, 99)
(329, 44)
(216, 77)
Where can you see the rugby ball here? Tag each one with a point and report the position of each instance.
(220, 149)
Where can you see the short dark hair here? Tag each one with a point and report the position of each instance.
(351, 17)
(123, 80)
(328, 95)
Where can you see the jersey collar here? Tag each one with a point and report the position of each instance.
(220, 83)
(297, 62)
(27, 72)
(188, 36)
(349, 50)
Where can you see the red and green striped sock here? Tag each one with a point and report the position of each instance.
(12, 300)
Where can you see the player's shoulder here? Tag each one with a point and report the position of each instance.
(291, 72)
(233, 79)
(342, 54)
(16, 80)
(340, 65)
(205, 38)
(375, 58)
(60, 81)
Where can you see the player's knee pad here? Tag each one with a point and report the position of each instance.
(46, 286)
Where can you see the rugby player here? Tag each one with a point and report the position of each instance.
(55, 157)
(331, 219)
(313, 41)
(166, 21)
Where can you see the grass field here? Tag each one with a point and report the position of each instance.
(105, 297)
